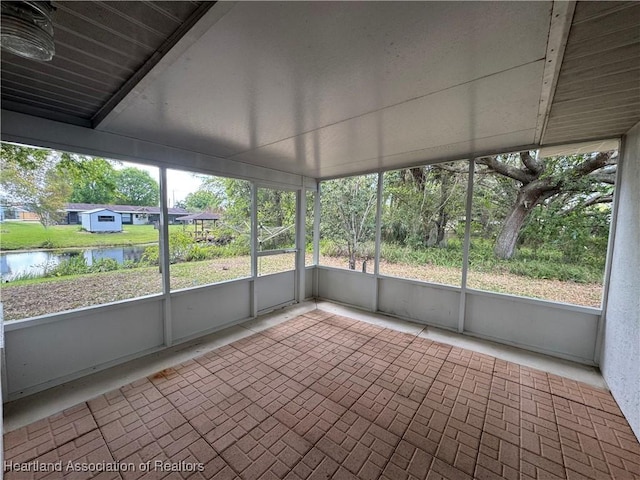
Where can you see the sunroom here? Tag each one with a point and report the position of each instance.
(451, 184)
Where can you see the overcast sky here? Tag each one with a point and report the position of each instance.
(179, 183)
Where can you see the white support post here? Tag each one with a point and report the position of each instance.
(607, 268)
(254, 249)
(376, 261)
(316, 238)
(164, 257)
(301, 211)
(316, 227)
(465, 253)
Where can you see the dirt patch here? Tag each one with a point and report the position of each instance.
(25, 301)
(585, 294)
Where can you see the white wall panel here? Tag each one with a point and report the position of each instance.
(346, 286)
(620, 358)
(423, 303)
(308, 282)
(201, 310)
(564, 331)
(276, 289)
(43, 353)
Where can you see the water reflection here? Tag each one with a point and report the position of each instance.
(35, 263)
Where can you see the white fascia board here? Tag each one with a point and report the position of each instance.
(561, 18)
(41, 132)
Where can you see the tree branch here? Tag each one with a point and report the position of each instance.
(594, 200)
(591, 164)
(608, 169)
(507, 170)
(448, 168)
(609, 178)
(532, 163)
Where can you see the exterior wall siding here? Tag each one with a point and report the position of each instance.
(620, 357)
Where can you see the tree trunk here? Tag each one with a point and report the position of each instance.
(506, 242)
(277, 207)
(351, 248)
(352, 260)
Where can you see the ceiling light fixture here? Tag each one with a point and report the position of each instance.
(27, 29)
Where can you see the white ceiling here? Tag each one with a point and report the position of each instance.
(326, 89)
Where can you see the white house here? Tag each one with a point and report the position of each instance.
(101, 220)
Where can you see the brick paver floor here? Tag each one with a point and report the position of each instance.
(324, 396)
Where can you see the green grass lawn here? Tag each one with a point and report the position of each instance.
(30, 235)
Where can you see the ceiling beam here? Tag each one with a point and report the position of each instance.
(561, 18)
(202, 19)
(45, 133)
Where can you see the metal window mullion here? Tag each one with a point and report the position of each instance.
(316, 239)
(609, 259)
(301, 230)
(164, 258)
(269, 253)
(254, 249)
(316, 227)
(376, 260)
(465, 251)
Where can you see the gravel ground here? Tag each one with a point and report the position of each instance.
(56, 295)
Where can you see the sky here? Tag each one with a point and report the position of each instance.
(179, 183)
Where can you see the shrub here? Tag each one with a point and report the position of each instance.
(554, 271)
(331, 249)
(104, 265)
(75, 265)
(151, 255)
(198, 252)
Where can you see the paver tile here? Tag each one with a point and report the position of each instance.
(69, 460)
(360, 446)
(33, 440)
(325, 396)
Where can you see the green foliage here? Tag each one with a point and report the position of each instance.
(201, 200)
(136, 187)
(33, 178)
(19, 157)
(236, 204)
(180, 243)
(555, 271)
(93, 180)
(151, 255)
(47, 244)
(422, 206)
(276, 219)
(581, 234)
(77, 265)
(546, 263)
(182, 248)
(106, 265)
(348, 212)
(449, 256)
(559, 200)
(200, 252)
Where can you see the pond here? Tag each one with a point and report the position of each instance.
(33, 263)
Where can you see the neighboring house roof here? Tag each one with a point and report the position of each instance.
(82, 207)
(95, 210)
(199, 216)
(20, 209)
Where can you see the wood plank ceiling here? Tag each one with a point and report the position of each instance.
(327, 89)
(102, 50)
(598, 90)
